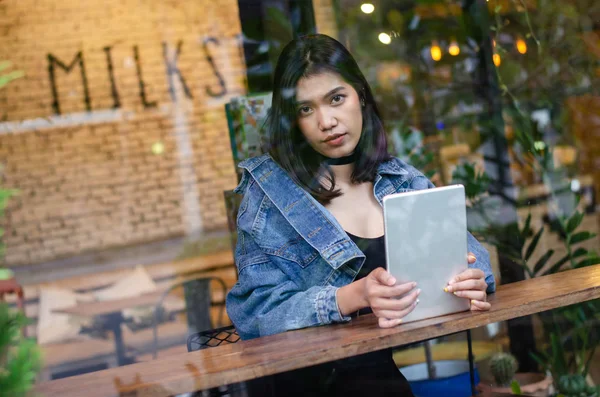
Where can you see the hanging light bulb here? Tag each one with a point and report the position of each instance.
(385, 38)
(367, 8)
(497, 59)
(436, 51)
(454, 49)
(521, 46)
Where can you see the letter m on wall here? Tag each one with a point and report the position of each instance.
(53, 62)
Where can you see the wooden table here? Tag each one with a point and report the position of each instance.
(291, 350)
(112, 317)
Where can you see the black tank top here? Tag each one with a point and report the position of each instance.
(374, 250)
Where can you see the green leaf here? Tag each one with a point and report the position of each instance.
(574, 222)
(515, 388)
(556, 267)
(533, 244)
(581, 236)
(542, 261)
(588, 262)
(526, 229)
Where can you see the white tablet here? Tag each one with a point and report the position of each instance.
(426, 242)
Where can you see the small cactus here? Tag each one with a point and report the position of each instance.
(503, 367)
(575, 386)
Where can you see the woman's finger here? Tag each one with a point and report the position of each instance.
(467, 275)
(382, 291)
(466, 285)
(477, 295)
(477, 305)
(397, 315)
(471, 258)
(395, 304)
(383, 277)
(387, 323)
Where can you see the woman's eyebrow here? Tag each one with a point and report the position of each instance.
(330, 93)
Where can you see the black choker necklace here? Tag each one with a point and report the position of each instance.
(341, 160)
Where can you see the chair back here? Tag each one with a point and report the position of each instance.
(245, 118)
(212, 338)
(198, 302)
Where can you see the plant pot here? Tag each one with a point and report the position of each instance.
(532, 384)
(452, 379)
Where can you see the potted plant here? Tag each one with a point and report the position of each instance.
(569, 332)
(503, 367)
(20, 358)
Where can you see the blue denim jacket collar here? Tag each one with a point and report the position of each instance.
(321, 231)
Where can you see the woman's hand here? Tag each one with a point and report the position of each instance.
(471, 285)
(389, 302)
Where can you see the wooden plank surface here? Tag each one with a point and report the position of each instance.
(291, 350)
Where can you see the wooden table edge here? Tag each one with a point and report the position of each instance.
(377, 339)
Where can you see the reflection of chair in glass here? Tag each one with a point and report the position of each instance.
(198, 302)
(245, 118)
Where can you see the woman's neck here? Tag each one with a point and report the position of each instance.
(342, 173)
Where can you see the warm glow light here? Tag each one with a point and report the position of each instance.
(436, 52)
(454, 49)
(367, 8)
(385, 38)
(497, 60)
(158, 148)
(521, 46)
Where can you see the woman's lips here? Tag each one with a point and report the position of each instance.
(335, 140)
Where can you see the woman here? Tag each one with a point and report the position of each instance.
(310, 226)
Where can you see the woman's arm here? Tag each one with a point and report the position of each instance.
(266, 301)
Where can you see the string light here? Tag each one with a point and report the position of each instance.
(454, 49)
(521, 46)
(436, 51)
(367, 8)
(385, 38)
(497, 59)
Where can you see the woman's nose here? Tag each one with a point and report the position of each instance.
(326, 120)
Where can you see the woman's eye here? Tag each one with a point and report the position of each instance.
(337, 99)
(304, 110)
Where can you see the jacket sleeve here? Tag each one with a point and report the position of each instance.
(420, 182)
(266, 301)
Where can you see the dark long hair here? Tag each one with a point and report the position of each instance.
(304, 57)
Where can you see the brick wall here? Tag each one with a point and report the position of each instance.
(140, 152)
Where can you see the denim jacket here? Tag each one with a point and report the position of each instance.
(292, 255)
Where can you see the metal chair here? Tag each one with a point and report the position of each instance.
(213, 338)
(197, 306)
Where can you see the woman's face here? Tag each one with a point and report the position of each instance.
(329, 114)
